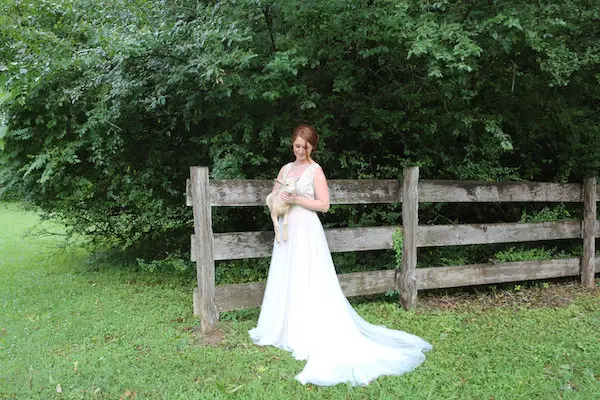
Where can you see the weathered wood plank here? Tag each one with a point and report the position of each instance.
(239, 296)
(238, 245)
(407, 282)
(366, 283)
(253, 192)
(205, 265)
(188, 192)
(238, 192)
(450, 235)
(484, 274)
(588, 261)
(448, 191)
(365, 191)
(249, 295)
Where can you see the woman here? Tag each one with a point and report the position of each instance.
(304, 310)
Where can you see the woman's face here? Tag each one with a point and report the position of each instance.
(302, 154)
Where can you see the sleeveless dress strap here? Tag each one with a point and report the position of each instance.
(313, 168)
(286, 169)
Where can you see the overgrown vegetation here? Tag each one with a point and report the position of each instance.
(109, 102)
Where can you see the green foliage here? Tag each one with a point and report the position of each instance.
(360, 261)
(557, 212)
(109, 102)
(173, 262)
(522, 253)
(2, 133)
(454, 255)
(397, 243)
(496, 253)
(241, 271)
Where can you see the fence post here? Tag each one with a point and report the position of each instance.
(588, 261)
(410, 220)
(205, 262)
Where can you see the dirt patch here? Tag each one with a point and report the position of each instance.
(558, 293)
(211, 338)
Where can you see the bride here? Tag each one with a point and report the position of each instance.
(304, 310)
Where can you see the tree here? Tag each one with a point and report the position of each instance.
(108, 103)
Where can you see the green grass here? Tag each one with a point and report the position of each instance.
(105, 331)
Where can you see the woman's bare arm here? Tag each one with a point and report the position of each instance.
(279, 178)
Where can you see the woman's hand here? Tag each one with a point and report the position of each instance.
(288, 197)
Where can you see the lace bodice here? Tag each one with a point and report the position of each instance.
(305, 185)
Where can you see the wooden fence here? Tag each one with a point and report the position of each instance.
(208, 247)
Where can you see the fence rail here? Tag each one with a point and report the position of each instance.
(252, 192)
(249, 295)
(208, 247)
(239, 245)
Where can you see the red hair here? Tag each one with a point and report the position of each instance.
(307, 133)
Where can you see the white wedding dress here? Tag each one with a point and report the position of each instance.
(304, 310)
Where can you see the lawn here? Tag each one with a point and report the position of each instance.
(75, 328)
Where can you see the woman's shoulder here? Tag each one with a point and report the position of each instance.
(316, 169)
(285, 169)
(285, 166)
